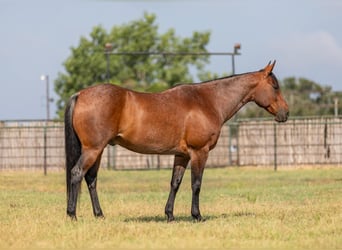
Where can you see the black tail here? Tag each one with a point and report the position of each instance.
(72, 143)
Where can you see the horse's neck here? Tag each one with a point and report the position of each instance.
(232, 94)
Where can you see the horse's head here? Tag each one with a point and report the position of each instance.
(267, 94)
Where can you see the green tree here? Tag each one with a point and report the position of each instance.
(308, 98)
(87, 63)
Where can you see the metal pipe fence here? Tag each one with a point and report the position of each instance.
(297, 142)
(305, 141)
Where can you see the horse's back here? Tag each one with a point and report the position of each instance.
(165, 122)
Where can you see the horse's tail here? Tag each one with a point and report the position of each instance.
(72, 143)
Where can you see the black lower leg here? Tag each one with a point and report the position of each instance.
(72, 200)
(175, 182)
(75, 184)
(195, 212)
(177, 176)
(91, 182)
(197, 168)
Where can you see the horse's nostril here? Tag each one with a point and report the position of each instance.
(282, 115)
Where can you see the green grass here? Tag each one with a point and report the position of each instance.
(243, 207)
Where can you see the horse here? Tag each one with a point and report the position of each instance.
(184, 121)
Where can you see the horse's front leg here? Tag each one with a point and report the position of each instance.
(198, 160)
(179, 167)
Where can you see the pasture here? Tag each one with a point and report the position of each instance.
(243, 207)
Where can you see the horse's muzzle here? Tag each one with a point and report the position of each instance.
(282, 115)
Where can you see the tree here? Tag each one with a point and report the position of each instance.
(87, 63)
(308, 98)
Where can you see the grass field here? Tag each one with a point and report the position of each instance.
(243, 207)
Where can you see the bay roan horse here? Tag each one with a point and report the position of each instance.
(184, 121)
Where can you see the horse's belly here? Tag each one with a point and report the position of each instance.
(148, 145)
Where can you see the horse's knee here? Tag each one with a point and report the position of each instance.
(176, 183)
(196, 187)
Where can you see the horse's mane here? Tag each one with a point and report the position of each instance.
(207, 81)
(224, 77)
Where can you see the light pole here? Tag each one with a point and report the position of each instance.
(48, 99)
(108, 50)
(237, 47)
(236, 52)
(336, 106)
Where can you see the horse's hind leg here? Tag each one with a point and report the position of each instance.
(84, 163)
(179, 167)
(73, 193)
(91, 179)
(75, 186)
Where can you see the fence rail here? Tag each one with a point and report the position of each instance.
(35, 144)
(296, 142)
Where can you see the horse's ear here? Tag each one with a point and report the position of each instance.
(269, 67)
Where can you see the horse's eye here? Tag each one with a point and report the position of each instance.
(275, 85)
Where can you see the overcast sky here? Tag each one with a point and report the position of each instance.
(304, 36)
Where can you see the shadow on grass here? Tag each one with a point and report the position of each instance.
(185, 218)
(158, 218)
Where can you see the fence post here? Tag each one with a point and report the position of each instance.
(229, 144)
(45, 149)
(237, 124)
(275, 146)
(158, 162)
(108, 157)
(114, 155)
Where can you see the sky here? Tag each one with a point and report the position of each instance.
(304, 36)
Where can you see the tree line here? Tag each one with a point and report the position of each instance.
(88, 65)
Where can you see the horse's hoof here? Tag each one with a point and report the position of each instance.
(201, 220)
(171, 221)
(170, 217)
(72, 217)
(100, 217)
(198, 218)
